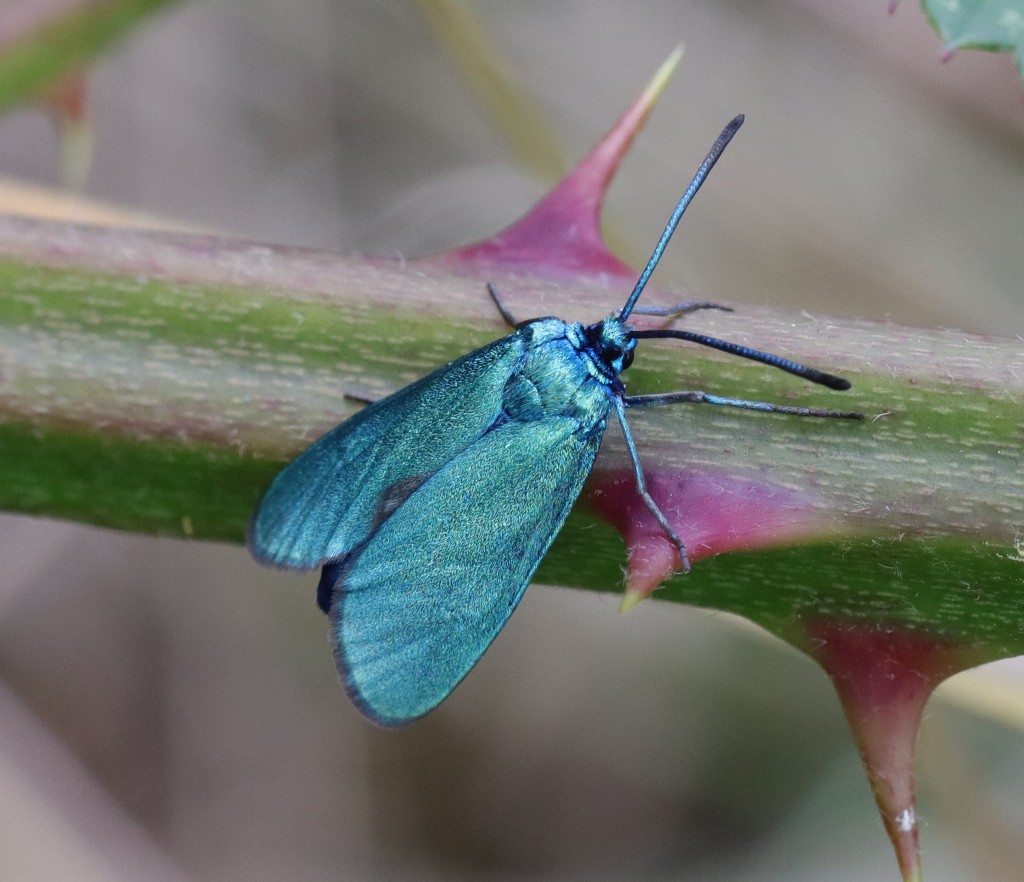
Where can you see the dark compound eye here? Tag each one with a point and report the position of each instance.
(611, 353)
(616, 355)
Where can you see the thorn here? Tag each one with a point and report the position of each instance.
(630, 598)
(662, 76)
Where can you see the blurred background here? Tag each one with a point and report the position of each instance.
(171, 710)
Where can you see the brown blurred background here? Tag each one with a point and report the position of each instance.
(170, 710)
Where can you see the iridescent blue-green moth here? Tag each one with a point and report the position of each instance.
(430, 509)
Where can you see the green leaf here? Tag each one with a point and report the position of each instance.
(991, 25)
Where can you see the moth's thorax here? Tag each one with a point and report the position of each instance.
(558, 375)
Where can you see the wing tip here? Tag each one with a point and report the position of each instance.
(347, 677)
(279, 550)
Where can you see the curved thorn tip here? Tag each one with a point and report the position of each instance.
(631, 597)
(662, 76)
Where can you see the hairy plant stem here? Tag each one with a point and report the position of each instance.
(155, 383)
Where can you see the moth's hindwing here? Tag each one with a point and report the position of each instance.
(415, 609)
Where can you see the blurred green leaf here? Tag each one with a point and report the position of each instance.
(991, 25)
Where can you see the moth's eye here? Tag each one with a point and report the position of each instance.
(627, 359)
(612, 355)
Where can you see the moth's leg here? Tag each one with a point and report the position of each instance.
(502, 308)
(743, 404)
(641, 486)
(360, 397)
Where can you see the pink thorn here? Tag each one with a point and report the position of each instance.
(712, 512)
(947, 54)
(69, 97)
(893, 5)
(562, 233)
(69, 102)
(884, 675)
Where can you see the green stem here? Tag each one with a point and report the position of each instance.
(155, 383)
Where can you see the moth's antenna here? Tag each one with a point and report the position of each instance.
(705, 168)
(784, 364)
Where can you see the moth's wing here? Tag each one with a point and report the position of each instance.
(415, 609)
(329, 499)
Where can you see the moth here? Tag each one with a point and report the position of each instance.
(430, 510)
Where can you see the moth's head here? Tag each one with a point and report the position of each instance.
(611, 342)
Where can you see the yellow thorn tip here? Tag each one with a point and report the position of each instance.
(630, 599)
(664, 73)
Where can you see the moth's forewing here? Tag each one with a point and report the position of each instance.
(329, 499)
